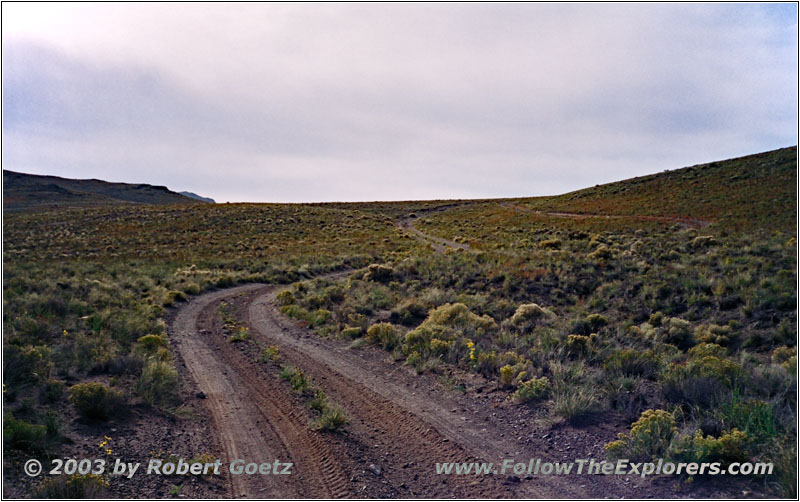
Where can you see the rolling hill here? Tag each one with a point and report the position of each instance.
(22, 192)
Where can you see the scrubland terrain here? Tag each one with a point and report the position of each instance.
(653, 317)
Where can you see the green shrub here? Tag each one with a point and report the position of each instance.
(295, 312)
(414, 359)
(578, 344)
(632, 362)
(158, 384)
(507, 375)
(488, 364)
(680, 333)
(149, 344)
(191, 288)
(439, 348)
(172, 297)
(409, 312)
(77, 486)
(332, 418)
(782, 354)
(21, 435)
(352, 332)
(296, 378)
(379, 273)
(333, 294)
(752, 416)
(572, 402)
(319, 317)
(602, 252)
(320, 402)
(457, 315)
(656, 318)
(528, 314)
(269, 354)
(550, 244)
(535, 388)
(702, 241)
(285, 297)
(649, 438)
(701, 381)
(52, 391)
(784, 456)
(707, 349)
(26, 365)
(383, 335)
(729, 447)
(596, 321)
(241, 335)
(720, 335)
(94, 400)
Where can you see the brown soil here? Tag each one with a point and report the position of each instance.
(439, 244)
(401, 424)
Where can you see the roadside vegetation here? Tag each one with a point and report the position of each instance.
(686, 328)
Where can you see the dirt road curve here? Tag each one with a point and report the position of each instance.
(439, 244)
(683, 222)
(397, 430)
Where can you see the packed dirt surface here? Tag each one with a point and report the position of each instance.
(683, 222)
(400, 424)
(439, 244)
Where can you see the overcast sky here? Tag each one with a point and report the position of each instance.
(323, 102)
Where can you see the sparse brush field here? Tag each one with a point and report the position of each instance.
(687, 327)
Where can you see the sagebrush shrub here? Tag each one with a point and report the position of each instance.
(707, 349)
(332, 418)
(550, 244)
(602, 252)
(158, 384)
(25, 365)
(285, 297)
(680, 333)
(75, 487)
(383, 335)
(578, 344)
(379, 273)
(351, 332)
(149, 344)
(632, 362)
(529, 313)
(650, 437)
(712, 333)
(535, 388)
(728, 447)
(96, 401)
(22, 435)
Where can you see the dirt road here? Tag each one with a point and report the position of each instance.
(401, 424)
(683, 222)
(439, 244)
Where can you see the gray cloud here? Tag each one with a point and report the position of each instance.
(291, 102)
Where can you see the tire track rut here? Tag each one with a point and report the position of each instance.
(253, 418)
(403, 432)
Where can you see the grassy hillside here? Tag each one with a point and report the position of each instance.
(586, 319)
(756, 191)
(28, 191)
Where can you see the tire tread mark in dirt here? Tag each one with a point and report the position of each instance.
(236, 397)
(309, 450)
(433, 440)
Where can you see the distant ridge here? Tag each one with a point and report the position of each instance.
(198, 197)
(23, 192)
